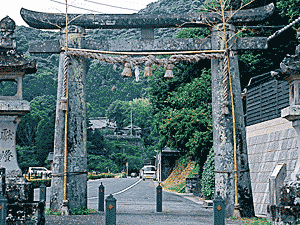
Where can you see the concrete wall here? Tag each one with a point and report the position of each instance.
(269, 143)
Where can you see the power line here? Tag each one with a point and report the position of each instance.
(76, 7)
(118, 7)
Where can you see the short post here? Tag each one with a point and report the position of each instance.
(101, 198)
(41, 213)
(43, 193)
(159, 198)
(219, 210)
(3, 210)
(2, 180)
(110, 213)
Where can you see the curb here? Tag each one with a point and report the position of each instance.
(189, 196)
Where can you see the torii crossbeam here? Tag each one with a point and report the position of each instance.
(222, 119)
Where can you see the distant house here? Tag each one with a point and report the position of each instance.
(102, 123)
(165, 162)
(135, 130)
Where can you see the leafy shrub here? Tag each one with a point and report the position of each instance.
(208, 176)
(75, 211)
(80, 211)
(48, 211)
(93, 176)
(38, 182)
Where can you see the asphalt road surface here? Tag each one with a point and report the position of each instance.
(136, 204)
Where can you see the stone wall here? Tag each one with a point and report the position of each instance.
(269, 143)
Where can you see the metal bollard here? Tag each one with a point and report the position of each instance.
(101, 198)
(219, 210)
(43, 193)
(3, 210)
(110, 212)
(159, 198)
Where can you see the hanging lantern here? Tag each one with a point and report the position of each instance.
(169, 72)
(127, 70)
(148, 69)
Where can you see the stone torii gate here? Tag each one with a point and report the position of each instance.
(221, 103)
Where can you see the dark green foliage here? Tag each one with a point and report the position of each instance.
(95, 143)
(105, 86)
(101, 164)
(27, 157)
(80, 211)
(208, 176)
(36, 130)
(119, 159)
(117, 111)
(8, 88)
(201, 32)
(135, 163)
(38, 183)
(289, 9)
(182, 109)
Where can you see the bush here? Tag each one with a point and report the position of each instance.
(80, 211)
(208, 176)
(98, 176)
(36, 183)
(75, 211)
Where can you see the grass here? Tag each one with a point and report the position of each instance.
(253, 221)
(176, 181)
(76, 211)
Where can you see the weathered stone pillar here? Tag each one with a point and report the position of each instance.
(77, 155)
(223, 129)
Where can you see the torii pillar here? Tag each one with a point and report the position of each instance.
(76, 129)
(223, 143)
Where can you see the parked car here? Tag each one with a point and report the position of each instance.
(39, 171)
(133, 175)
(148, 172)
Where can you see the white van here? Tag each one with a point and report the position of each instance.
(38, 170)
(148, 172)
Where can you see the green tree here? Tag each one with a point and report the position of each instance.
(119, 159)
(101, 163)
(27, 156)
(208, 176)
(289, 9)
(37, 127)
(183, 110)
(96, 143)
(117, 112)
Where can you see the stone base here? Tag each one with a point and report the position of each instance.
(18, 190)
(288, 209)
(26, 213)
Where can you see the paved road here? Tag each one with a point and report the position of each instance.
(137, 205)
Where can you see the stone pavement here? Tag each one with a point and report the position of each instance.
(137, 206)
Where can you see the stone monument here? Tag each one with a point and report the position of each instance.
(287, 209)
(18, 192)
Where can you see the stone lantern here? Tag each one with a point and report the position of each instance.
(290, 69)
(13, 68)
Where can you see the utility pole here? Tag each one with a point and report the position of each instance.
(131, 123)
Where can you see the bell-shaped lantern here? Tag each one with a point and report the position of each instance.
(148, 69)
(127, 70)
(169, 72)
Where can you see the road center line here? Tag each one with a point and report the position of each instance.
(116, 193)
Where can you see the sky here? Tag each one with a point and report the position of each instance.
(12, 8)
